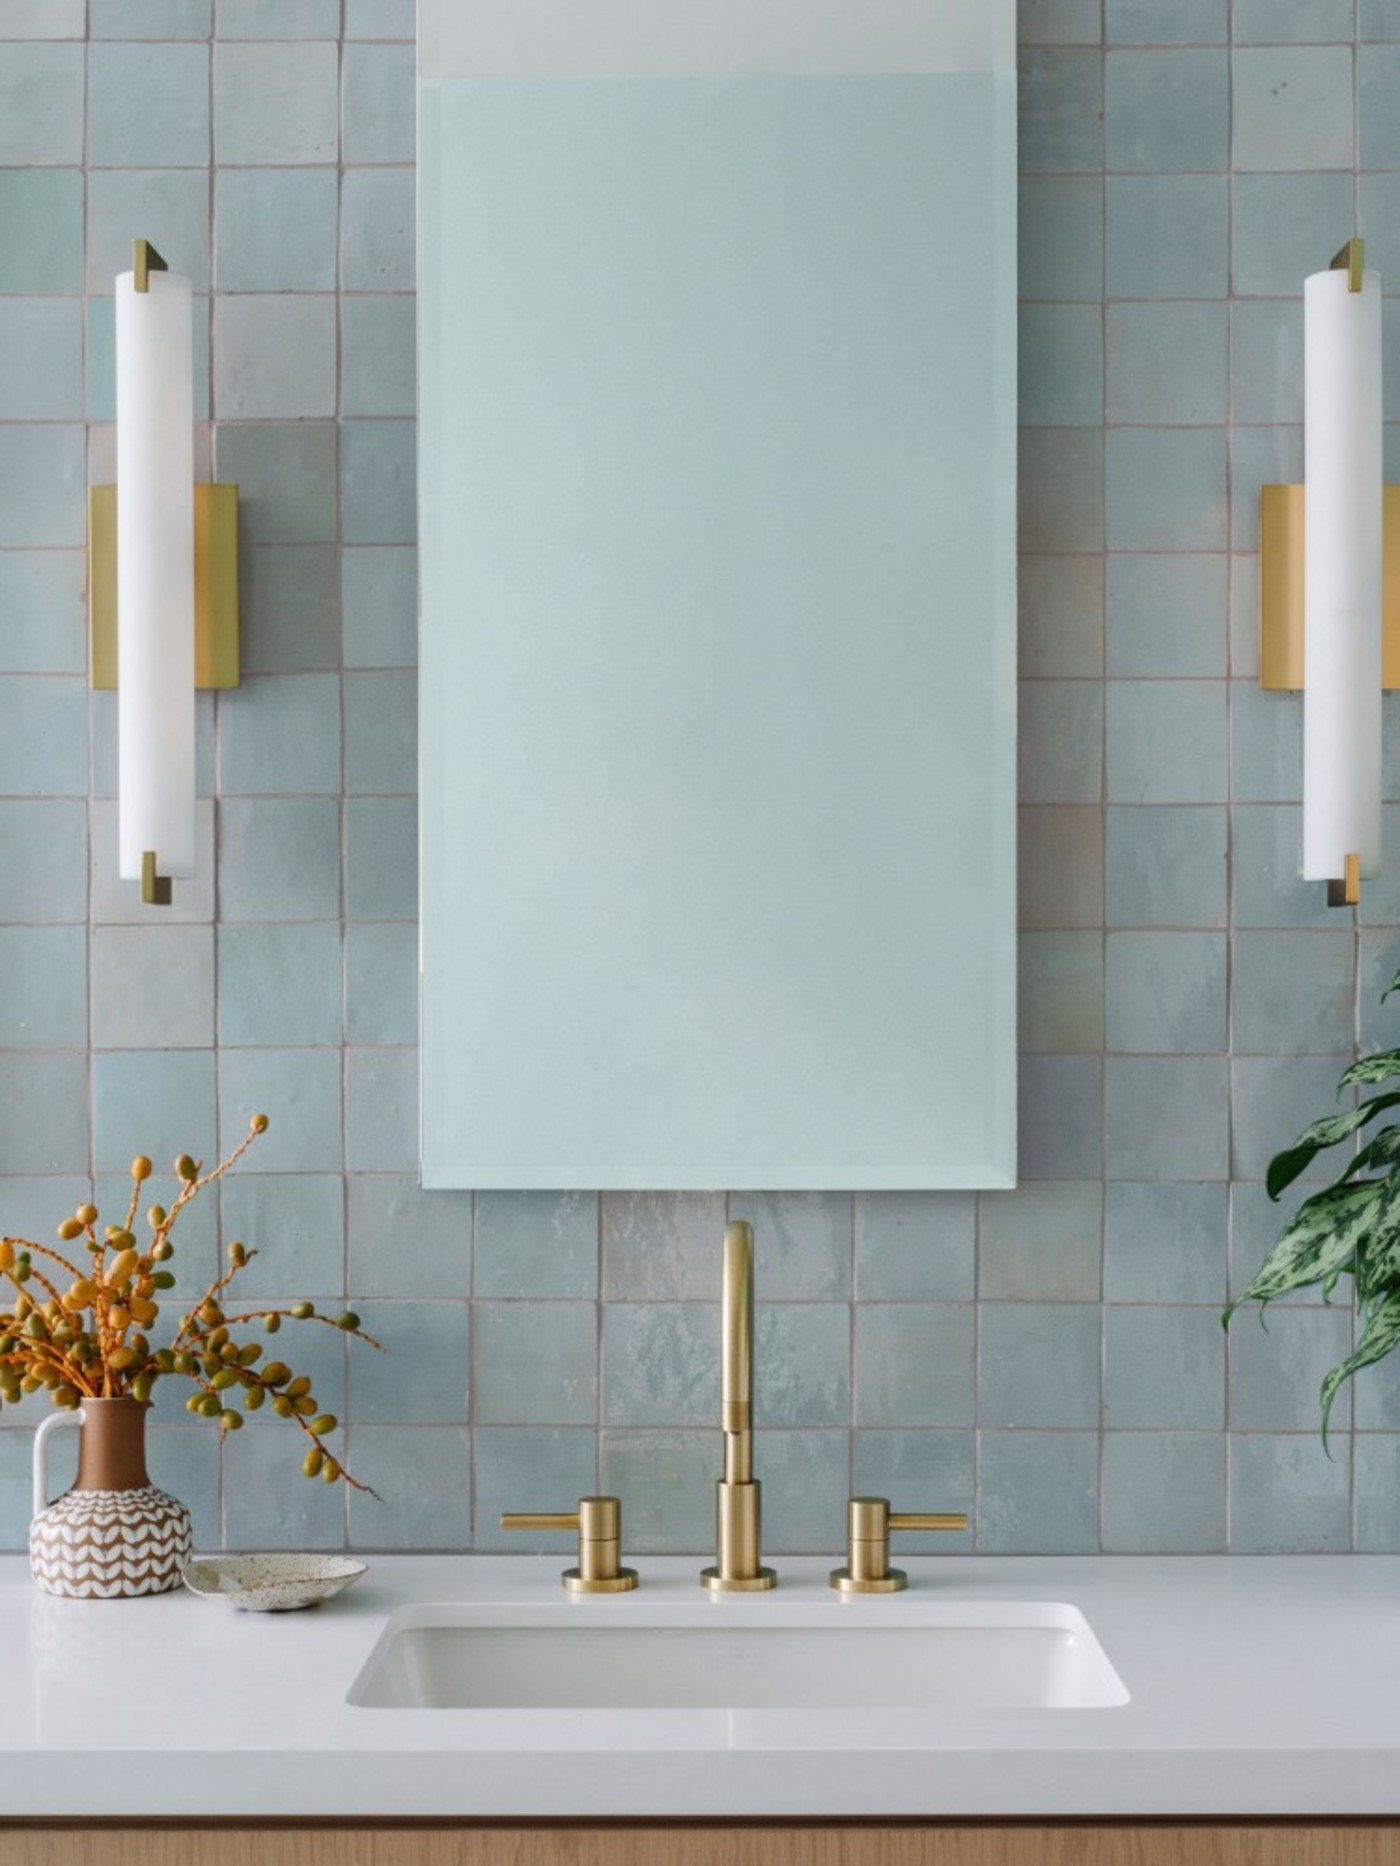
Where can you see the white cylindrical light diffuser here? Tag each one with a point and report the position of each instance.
(155, 574)
(1342, 587)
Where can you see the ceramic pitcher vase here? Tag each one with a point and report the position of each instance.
(113, 1535)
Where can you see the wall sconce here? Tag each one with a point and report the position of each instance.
(1329, 578)
(162, 578)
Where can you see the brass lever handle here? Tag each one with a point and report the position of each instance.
(869, 1521)
(599, 1524)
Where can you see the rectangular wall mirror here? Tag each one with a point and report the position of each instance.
(718, 389)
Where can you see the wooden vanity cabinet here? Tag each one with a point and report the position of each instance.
(648, 1843)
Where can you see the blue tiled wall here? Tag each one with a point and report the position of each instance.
(1051, 1357)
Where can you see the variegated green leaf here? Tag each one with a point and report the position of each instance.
(1316, 1245)
(1378, 1068)
(1285, 1167)
(1378, 1253)
(1380, 1335)
(1381, 1150)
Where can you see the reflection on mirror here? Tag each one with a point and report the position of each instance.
(717, 489)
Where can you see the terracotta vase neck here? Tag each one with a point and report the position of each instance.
(112, 1445)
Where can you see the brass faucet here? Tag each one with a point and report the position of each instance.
(738, 1556)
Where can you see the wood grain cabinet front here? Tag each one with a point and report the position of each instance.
(636, 1843)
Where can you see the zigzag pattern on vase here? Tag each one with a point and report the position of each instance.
(110, 1544)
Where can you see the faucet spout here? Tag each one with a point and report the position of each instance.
(738, 1557)
(736, 1401)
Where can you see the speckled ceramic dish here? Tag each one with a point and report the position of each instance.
(271, 1583)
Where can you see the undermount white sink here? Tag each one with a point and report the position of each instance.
(904, 1655)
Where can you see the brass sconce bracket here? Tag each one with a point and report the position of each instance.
(1351, 259)
(1281, 588)
(1281, 609)
(215, 585)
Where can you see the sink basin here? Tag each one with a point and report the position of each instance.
(992, 1655)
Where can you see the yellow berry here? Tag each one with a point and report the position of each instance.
(140, 1167)
(258, 1124)
(186, 1169)
(86, 1214)
(70, 1229)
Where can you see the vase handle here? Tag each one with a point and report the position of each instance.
(54, 1422)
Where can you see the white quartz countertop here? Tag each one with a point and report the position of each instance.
(1259, 1685)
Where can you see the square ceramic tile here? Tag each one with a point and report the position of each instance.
(404, 1241)
(43, 209)
(1038, 1365)
(1061, 108)
(938, 1466)
(286, 478)
(44, 1004)
(1286, 1496)
(1166, 613)
(377, 336)
(1059, 859)
(276, 229)
(1283, 227)
(275, 104)
(156, 1102)
(802, 1244)
(1060, 995)
(1060, 741)
(1060, 352)
(1167, 363)
(381, 983)
(377, 230)
(300, 1093)
(43, 496)
(378, 481)
(152, 987)
(43, 860)
(1060, 604)
(1038, 1491)
(1060, 489)
(1166, 741)
(296, 1223)
(151, 19)
(1167, 1117)
(535, 1363)
(43, 751)
(1164, 1367)
(1166, 992)
(147, 105)
(279, 984)
(1281, 22)
(380, 584)
(41, 359)
(41, 105)
(661, 1363)
(1166, 866)
(1060, 237)
(914, 1364)
(1165, 1243)
(44, 1113)
(1060, 1116)
(289, 600)
(1041, 1243)
(381, 1110)
(1165, 489)
(274, 356)
(377, 104)
(1377, 71)
(280, 733)
(381, 731)
(543, 1244)
(1167, 110)
(279, 858)
(421, 1378)
(1293, 994)
(422, 1477)
(1167, 236)
(1164, 1493)
(915, 1246)
(381, 858)
(1292, 107)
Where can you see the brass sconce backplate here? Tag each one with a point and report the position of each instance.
(1281, 588)
(215, 585)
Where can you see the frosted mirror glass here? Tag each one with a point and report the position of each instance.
(717, 510)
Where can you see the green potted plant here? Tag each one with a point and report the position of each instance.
(76, 1324)
(1348, 1228)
